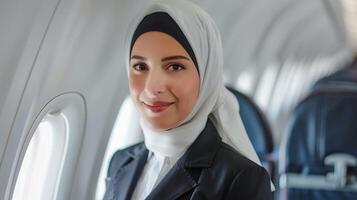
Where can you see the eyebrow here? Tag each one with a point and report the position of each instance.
(138, 57)
(174, 58)
(164, 59)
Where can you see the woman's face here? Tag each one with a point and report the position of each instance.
(163, 81)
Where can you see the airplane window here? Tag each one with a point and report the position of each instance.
(126, 132)
(40, 170)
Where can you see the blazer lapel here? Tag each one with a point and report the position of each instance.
(180, 179)
(128, 175)
(177, 182)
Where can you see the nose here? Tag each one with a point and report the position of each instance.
(156, 83)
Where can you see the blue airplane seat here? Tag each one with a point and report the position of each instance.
(257, 128)
(347, 75)
(318, 158)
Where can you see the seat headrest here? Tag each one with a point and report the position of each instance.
(255, 123)
(345, 76)
(324, 123)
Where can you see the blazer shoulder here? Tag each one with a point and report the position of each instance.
(123, 156)
(235, 160)
(251, 181)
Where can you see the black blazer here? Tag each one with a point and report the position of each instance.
(209, 169)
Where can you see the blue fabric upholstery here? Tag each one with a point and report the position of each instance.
(324, 123)
(345, 76)
(257, 128)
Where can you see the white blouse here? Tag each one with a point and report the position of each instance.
(154, 171)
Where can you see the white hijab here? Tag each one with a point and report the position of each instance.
(214, 100)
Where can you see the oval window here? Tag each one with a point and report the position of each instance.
(40, 169)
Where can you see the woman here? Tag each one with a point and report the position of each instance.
(195, 145)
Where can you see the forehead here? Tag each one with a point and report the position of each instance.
(159, 42)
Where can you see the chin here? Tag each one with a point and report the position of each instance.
(159, 126)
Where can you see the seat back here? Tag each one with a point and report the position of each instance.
(257, 128)
(318, 157)
(345, 76)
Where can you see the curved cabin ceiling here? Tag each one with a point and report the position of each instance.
(257, 32)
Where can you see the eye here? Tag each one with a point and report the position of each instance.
(176, 67)
(139, 67)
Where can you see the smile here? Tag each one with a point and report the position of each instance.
(157, 106)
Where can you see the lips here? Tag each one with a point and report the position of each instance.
(157, 106)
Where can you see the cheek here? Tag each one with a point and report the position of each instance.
(136, 86)
(187, 91)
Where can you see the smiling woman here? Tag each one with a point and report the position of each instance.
(174, 63)
(163, 80)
